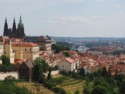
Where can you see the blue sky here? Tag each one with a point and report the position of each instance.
(80, 18)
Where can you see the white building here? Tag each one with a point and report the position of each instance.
(67, 65)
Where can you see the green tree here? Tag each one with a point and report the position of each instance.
(104, 72)
(99, 90)
(49, 74)
(40, 67)
(66, 54)
(56, 48)
(60, 47)
(82, 72)
(86, 91)
(77, 92)
(5, 60)
(122, 87)
(119, 78)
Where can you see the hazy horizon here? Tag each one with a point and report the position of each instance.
(66, 18)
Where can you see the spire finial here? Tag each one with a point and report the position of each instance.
(20, 22)
(6, 19)
(14, 20)
(20, 19)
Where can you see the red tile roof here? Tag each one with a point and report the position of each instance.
(118, 68)
(22, 44)
(69, 60)
(20, 61)
(1, 38)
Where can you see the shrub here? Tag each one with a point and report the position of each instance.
(99, 90)
(5, 60)
(59, 90)
(8, 87)
(58, 80)
(51, 85)
(48, 85)
(66, 73)
(9, 68)
(77, 92)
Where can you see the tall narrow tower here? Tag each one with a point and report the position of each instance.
(14, 30)
(20, 32)
(5, 28)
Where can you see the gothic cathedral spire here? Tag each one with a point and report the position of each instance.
(14, 30)
(5, 28)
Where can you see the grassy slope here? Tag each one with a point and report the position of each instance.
(32, 87)
(71, 85)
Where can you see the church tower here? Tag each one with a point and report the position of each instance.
(5, 28)
(20, 33)
(14, 30)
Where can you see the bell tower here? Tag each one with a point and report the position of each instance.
(20, 33)
(5, 33)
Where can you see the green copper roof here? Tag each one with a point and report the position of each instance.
(20, 22)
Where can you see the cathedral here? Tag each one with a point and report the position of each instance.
(14, 32)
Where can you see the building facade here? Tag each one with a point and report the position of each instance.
(67, 65)
(44, 42)
(18, 50)
(25, 50)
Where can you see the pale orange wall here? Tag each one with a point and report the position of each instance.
(27, 52)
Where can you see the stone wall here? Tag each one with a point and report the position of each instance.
(3, 75)
(55, 72)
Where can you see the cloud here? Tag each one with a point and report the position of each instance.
(71, 19)
(119, 5)
(74, 1)
(1, 1)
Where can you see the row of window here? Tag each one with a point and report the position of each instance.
(29, 49)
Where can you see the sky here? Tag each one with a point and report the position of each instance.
(70, 18)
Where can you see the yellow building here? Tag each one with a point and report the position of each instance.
(17, 50)
(8, 50)
(25, 50)
(1, 46)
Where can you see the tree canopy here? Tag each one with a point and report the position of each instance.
(5, 60)
(40, 67)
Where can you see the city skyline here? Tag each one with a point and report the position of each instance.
(74, 18)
